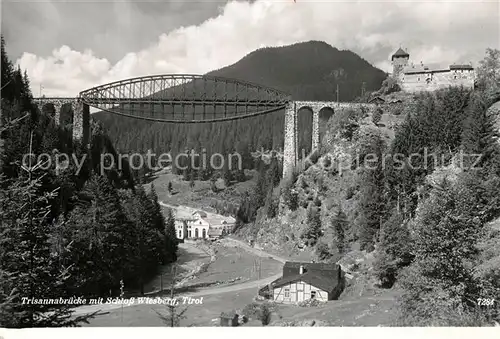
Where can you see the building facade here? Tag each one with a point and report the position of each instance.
(305, 281)
(199, 225)
(416, 78)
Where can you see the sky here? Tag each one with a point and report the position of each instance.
(69, 46)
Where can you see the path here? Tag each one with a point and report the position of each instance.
(253, 250)
(189, 259)
(184, 258)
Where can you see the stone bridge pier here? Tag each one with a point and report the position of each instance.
(80, 111)
(291, 145)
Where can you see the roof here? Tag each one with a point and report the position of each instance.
(452, 67)
(201, 213)
(294, 266)
(400, 53)
(433, 68)
(315, 278)
(379, 99)
(228, 314)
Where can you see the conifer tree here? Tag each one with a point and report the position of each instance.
(394, 250)
(313, 229)
(171, 237)
(339, 225)
(103, 238)
(158, 220)
(29, 264)
(441, 284)
(371, 203)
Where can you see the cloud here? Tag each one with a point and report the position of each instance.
(444, 32)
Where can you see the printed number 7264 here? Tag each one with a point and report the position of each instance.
(485, 302)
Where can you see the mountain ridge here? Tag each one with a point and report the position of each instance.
(307, 71)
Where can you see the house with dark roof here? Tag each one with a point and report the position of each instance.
(302, 281)
(377, 100)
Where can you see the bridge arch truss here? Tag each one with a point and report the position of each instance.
(185, 98)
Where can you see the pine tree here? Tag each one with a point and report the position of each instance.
(479, 134)
(313, 229)
(192, 180)
(158, 220)
(441, 284)
(394, 250)
(171, 237)
(274, 172)
(371, 203)
(377, 115)
(339, 225)
(213, 183)
(32, 268)
(103, 238)
(7, 70)
(240, 175)
(228, 177)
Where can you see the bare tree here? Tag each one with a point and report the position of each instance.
(175, 314)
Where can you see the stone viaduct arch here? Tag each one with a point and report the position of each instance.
(291, 151)
(81, 115)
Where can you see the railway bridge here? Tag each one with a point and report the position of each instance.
(187, 98)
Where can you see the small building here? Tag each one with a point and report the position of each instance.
(377, 100)
(181, 228)
(395, 101)
(215, 233)
(229, 319)
(302, 281)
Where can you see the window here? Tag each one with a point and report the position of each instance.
(418, 79)
(313, 294)
(180, 234)
(190, 233)
(287, 293)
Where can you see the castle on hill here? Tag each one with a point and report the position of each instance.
(415, 78)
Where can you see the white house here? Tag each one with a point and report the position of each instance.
(199, 225)
(303, 281)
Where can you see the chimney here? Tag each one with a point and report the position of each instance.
(301, 269)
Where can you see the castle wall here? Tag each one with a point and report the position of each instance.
(431, 81)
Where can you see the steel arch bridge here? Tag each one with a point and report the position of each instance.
(185, 98)
(188, 98)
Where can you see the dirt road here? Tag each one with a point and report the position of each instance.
(189, 253)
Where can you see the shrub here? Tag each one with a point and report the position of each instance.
(377, 115)
(265, 314)
(394, 249)
(322, 251)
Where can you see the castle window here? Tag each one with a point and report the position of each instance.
(418, 79)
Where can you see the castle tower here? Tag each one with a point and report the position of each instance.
(399, 61)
